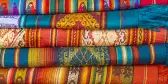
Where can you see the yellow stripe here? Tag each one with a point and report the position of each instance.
(53, 21)
(84, 75)
(104, 75)
(30, 57)
(2, 59)
(53, 37)
(152, 54)
(62, 74)
(131, 36)
(43, 6)
(103, 20)
(127, 36)
(33, 58)
(77, 36)
(68, 37)
(17, 57)
(92, 77)
(138, 35)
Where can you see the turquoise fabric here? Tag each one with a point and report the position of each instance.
(122, 19)
(145, 55)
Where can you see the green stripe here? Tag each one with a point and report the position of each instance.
(90, 4)
(74, 4)
(52, 7)
(61, 6)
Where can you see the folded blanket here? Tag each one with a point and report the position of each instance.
(57, 37)
(82, 56)
(146, 74)
(16, 7)
(151, 17)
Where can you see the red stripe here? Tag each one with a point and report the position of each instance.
(146, 2)
(61, 37)
(161, 36)
(102, 5)
(134, 36)
(138, 74)
(56, 6)
(146, 37)
(135, 54)
(44, 38)
(152, 75)
(162, 1)
(46, 6)
(113, 56)
(11, 76)
(111, 3)
(67, 6)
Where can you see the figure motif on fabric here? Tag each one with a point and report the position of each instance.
(3, 9)
(106, 6)
(15, 9)
(125, 4)
(82, 7)
(31, 8)
(137, 4)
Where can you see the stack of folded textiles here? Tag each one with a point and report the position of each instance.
(83, 42)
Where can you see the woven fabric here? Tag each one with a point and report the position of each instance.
(82, 56)
(58, 37)
(112, 20)
(147, 74)
(69, 6)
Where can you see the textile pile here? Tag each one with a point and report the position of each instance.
(83, 42)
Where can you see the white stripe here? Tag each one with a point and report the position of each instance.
(124, 54)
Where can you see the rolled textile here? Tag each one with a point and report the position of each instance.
(150, 17)
(84, 56)
(10, 38)
(155, 74)
(16, 7)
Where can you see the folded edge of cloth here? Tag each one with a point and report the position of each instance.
(16, 7)
(84, 56)
(147, 74)
(150, 17)
(11, 38)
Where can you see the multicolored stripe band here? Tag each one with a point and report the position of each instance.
(146, 74)
(10, 38)
(16, 7)
(83, 56)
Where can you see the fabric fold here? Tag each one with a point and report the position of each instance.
(15, 7)
(10, 38)
(149, 17)
(147, 74)
(84, 56)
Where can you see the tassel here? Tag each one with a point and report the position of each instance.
(153, 16)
